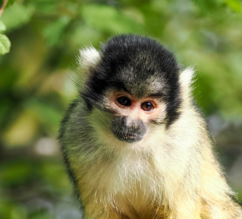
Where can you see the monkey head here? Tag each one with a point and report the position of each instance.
(135, 80)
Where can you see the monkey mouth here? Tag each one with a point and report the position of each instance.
(128, 137)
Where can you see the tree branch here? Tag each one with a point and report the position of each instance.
(3, 6)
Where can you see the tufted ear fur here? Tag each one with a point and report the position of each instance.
(88, 60)
(186, 80)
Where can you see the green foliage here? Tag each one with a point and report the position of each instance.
(211, 5)
(45, 113)
(55, 30)
(55, 175)
(10, 210)
(109, 20)
(2, 26)
(17, 15)
(235, 5)
(16, 173)
(207, 5)
(5, 44)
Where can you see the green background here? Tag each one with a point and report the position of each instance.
(36, 84)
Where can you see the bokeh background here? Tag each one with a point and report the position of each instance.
(36, 84)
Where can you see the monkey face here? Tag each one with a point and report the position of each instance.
(132, 115)
(136, 79)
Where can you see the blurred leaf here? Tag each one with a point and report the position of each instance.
(8, 78)
(5, 44)
(12, 211)
(16, 172)
(211, 5)
(18, 213)
(5, 108)
(45, 6)
(207, 5)
(22, 131)
(55, 174)
(235, 5)
(48, 115)
(17, 15)
(77, 38)
(2, 26)
(110, 20)
(40, 215)
(54, 31)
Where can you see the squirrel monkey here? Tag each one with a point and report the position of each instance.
(134, 143)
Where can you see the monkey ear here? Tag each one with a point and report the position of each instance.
(186, 77)
(89, 58)
(185, 80)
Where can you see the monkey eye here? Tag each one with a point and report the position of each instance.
(147, 106)
(125, 101)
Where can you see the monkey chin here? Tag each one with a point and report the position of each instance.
(128, 137)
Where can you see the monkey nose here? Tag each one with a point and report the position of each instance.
(128, 130)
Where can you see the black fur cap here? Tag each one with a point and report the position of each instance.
(138, 65)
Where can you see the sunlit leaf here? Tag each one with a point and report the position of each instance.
(16, 15)
(110, 20)
(235, 5)
(5, 44)
(2, 26)
(22, 131)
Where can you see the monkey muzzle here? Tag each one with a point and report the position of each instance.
(126, 129)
